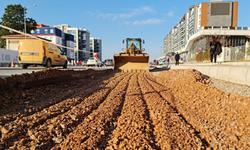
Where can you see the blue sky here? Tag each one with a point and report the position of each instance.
(115, 20)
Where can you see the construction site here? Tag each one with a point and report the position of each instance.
(103, 109)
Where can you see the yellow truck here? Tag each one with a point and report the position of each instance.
(37, 52)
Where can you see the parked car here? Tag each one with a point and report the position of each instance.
(84, 63)
(151, 65)
(78, 63)
(94, 62)
(109, 62)
(103, 63)
(162, 62)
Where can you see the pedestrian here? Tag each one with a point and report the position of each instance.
(168, 61)
(215, 49)
(177, 58)
(157, 62)
(154, 62)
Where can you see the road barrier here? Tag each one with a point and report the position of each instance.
(235, 74)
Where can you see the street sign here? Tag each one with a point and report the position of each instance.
(95, 55)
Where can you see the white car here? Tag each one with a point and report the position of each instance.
(94, 62)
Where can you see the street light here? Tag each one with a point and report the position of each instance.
(25, 19)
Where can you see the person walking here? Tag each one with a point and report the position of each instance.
(177, 58)
(156, 62)
(167, 61)
(215, 49)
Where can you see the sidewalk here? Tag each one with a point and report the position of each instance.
(236, 72)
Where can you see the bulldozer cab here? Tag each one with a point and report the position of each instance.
(136, 41)
(132, 59)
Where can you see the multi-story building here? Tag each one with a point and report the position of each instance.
(81, 41)
(219, 14)
(96, 47)
(57, 36)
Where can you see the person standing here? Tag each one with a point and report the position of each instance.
(177, 58)
(215, 49)
(156, 62)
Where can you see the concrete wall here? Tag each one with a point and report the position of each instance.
(234, 74)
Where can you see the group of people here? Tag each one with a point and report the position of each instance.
(215, 49)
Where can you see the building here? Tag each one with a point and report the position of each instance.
(81, 41)
(13, 40)
(57, 36)
(39, 25)
(218, 18)
(96, 47)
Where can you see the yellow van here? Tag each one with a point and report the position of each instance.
(37, 52)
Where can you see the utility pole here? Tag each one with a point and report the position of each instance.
(24, 10)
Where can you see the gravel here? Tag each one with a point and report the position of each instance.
(232, 88)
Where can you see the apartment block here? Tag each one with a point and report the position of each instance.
(57, 36)
(96, 47)
(213, 14)
(81, 41)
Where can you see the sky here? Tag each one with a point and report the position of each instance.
(115, 20)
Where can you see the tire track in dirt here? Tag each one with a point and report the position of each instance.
(97, 126)
(18, 128)
(166, 94)
(170, 130)
(222, 119)
(133, 126)
(35, 99)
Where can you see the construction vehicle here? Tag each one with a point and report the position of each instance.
(132, 59)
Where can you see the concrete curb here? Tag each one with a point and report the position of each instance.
(235, 74)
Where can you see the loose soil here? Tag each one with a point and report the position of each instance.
(89, 109)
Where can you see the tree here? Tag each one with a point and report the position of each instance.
(14, 18)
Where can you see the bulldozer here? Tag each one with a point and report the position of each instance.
(132, 59)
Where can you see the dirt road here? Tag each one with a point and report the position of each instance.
(106, 110)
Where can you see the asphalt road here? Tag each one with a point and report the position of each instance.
(7, 71)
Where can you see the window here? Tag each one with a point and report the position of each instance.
(60, 50)
(51, 31)
(37, 30)
(46, 31)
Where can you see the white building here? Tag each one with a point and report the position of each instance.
(81, 41)
(193, 32)
(96, 47)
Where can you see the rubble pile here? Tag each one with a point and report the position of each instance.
(220, 118)
(21, 102)
(106, 111)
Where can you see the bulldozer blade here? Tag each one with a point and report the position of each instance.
(131, 62)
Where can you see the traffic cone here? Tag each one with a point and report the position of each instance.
(12, 65)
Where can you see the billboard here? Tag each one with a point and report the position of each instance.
(6, 56)
(220, 14)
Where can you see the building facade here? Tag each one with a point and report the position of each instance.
(81, 41)
(96, 47)
(57, 36)
(213, 14)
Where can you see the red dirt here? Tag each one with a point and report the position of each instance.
(105, 110)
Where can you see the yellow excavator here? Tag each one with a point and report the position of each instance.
(132, 59)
